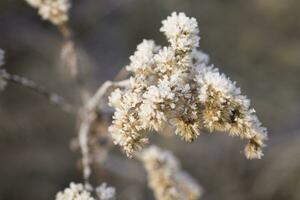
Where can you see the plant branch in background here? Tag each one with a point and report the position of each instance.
(89, 115)
(52, 97)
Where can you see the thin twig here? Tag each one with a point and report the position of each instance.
(53, 98)
(88, 116)
(96, 99)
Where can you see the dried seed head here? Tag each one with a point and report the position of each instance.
(175, 85)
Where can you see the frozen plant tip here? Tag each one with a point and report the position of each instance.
(80, 192)
(175, 85)
(166, 178)
(55, 11)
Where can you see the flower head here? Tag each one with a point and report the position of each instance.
(74, 192)
(166, 178)
(56, 11)
(181, 31)
(77, 191)
(175, 85)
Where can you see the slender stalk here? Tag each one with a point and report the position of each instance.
(88, 116)
(53, 98)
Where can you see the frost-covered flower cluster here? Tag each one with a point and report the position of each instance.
(79, 192)
(2, 71)
(166, 178)
(175, 85)
(55, 11)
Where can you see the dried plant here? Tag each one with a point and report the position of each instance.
(172, 86)
(166, 178)
(80, 192)
(176, 86)
(55, 11)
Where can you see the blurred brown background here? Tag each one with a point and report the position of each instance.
(256, 43)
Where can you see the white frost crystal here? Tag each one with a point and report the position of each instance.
(181, 31)
(77, 191)
(175, 85)
(55, 11)
(74, 192)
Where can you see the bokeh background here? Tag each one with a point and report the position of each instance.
(256, 43)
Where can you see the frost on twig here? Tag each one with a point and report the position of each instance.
(80, 192)
(53, 98)
(55, 11)
(90, 118)
(166, 178)
(175, 86)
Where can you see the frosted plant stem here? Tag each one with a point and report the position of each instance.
(95, 100)
(53, 98)
(88, 116)
(83, 142)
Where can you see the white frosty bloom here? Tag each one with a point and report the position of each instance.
(181, 31)
(126, 129)
(166, 178)
(105, 193)
(142, 60)
(166, 61)
(55, 11)
(219, 82)
(151, 111)
(74, 192)
(77, 191)
(115, 98)
(225, 109)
